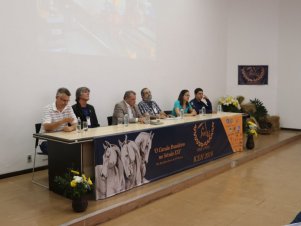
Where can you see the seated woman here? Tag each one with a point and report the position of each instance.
(82, 109)
(183, 103)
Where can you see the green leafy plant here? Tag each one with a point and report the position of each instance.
(73, 184)
(261, 114)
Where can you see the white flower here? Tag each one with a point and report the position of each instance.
(78, 179)
(229, 100)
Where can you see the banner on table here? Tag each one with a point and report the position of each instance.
(124, 161)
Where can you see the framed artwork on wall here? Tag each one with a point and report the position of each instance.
(253, 74)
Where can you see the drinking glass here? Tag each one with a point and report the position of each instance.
(85, 125)
(200, 112)
(158, 117)
(119, 121)
(182, 113)
(203, 110)
(147, 118)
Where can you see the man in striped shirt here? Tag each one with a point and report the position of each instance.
(147, 105)
(59, 116)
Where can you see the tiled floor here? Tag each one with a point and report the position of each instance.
(261, 192)
(265, 191)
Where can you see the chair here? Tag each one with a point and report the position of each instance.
(37, 129)
(110, 119)
(168, 112)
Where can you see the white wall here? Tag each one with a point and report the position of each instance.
(199, 43)
(289, 63)
(253, 40)
(191, 52)
(267, 33)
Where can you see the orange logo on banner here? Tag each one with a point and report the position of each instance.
(233, 128)
(201, 131)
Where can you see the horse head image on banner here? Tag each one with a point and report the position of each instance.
(123, 166)
(144, 143)
(131, 159)
(109, 176)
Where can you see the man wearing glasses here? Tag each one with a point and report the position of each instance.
(59, 116)
(147, 105)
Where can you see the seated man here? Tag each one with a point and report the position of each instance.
(82, 109)
(127, 106)
(59, 116)
(200, 101)
(147, 105)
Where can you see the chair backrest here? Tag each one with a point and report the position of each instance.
(110, 119)
(38, 128)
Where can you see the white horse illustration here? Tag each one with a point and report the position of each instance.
(144, 143)
(109, 176)
(130, 157)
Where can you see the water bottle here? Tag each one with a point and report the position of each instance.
(88, 121)
(79, 125)
(203, 111)
(219, 109)
(126, 120)
(182, 113)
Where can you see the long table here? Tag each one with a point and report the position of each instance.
(122, 157)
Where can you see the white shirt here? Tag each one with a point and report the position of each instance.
(129, 110)
(52, 114)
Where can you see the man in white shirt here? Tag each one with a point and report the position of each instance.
(59, 116)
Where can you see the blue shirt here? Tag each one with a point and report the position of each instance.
(179, 106)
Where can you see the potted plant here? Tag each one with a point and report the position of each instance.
(229, 104)
(75, 186)
(261, 113)
(251, 131)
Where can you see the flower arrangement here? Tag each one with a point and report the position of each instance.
(73, 184)
(251, 128)
(229, 104)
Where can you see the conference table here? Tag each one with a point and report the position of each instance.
(121, 157)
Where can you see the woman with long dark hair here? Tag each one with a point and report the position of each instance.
(183, 103)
